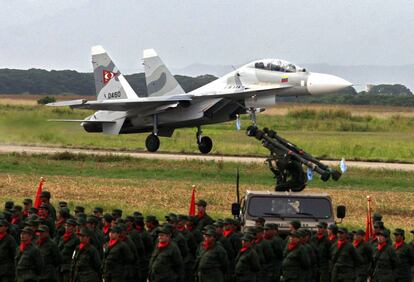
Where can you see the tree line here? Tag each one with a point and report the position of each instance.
(69, 82)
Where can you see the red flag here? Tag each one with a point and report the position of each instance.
(192, 203)
(39, 191)
(368, 227)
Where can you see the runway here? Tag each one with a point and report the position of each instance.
(4, 149)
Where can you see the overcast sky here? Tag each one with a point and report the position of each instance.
(55, 34)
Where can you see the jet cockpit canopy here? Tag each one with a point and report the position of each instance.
(277, 65)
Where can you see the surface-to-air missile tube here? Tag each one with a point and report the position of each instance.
(287, 203)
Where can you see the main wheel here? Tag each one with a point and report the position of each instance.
(152, 143)
(205, 145)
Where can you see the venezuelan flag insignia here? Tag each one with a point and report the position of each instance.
(284, 79)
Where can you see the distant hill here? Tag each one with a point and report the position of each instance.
(43, 82)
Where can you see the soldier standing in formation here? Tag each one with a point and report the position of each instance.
(7, 253)
(247, 263)
(86, 262)
(29, 262)
(365, 252)
(166, 263)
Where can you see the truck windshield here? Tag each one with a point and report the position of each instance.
(288, 207)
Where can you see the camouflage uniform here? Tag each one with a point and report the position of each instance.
(384, 263)
(344, 259)
(28, 261)
(295, 262)
(406, 258)
(86, 264)
(51, 259)
(166, 263)
(7, 254)
(247, 264)
(212, 262)
(365, 252)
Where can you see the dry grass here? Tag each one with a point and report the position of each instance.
(162, 196)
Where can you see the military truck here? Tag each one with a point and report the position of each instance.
(283, 207)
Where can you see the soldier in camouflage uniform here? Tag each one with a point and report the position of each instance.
(266, 255)
(151, 223)
(344, 258)
(67, 244)
(86, 262)
(116, 256)
(7, 253)
(211, 262)
(295, 262)
(278, 245)
(166, 263)
(323, 247)
(247, 263)
(385, 260)
(365, 252)
(45, 198)
(203, 218)
(312, 253)
(405, 256)
(29, 262)
(50, 254)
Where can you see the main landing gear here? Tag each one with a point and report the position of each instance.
(152, 143)
(205, 144)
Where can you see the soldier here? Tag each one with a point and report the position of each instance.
(147, 244)
(45, 199)
(7, 253)
(8, 206)
(98, 212)
(151, 223)
(378, 226)
(86, 262)
(116, 213)
(192, 247)
(266, 255)
(61, 217)
(277, 244)
(365, 252)
(132, 267)
(344, 258)
(16, 218)
(96, 237)
(312, 253)
(295, 262)
(211, 262)
(384, 261)
(50, 254)
(27, 204)
(323, 247)
(29, 262)
(46, 218)
(203, 218)
(116, 256)
(67, 244)
(405, 256)
(260, 221)
(247, 263)
(230, 232)
(332, 233)
(166, 263)
(191, 225)
(107, 221)
(294, 225)
(79, 210)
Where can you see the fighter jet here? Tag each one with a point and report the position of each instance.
(249, 89)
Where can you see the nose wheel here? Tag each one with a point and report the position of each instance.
(152, 143)
(205, 144)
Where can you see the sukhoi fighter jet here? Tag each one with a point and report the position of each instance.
(247, 90)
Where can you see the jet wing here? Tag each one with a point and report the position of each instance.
(241, 92)
(82, 120)
(123, 104)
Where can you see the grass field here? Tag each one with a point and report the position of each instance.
(154, 186)
(360, 133)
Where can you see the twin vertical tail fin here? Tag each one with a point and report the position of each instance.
(160, 81)
(109, 82)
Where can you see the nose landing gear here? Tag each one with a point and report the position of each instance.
(205, 144)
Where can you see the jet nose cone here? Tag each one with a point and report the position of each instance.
(319, 83)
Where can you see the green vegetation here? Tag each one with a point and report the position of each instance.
(324, 133)
(206, 172)
(38, 81)
(46, 100)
